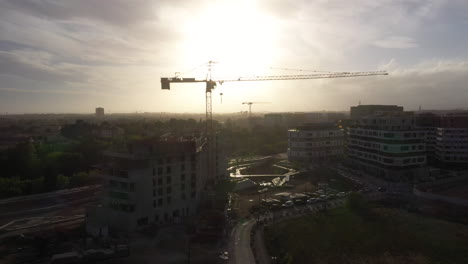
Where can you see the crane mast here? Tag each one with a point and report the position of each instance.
(250, 106)
(211, 84)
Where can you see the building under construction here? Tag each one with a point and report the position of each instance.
(154, 182)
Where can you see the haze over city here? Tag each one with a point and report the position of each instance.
(233, 131)
(71, 56)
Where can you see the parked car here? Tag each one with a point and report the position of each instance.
(224, 255)
(341, 194)
(312, 200)
(288, 204)
(299, 201)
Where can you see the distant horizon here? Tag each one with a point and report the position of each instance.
(217, 113)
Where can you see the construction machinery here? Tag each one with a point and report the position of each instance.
(211, 84)
(250, 106)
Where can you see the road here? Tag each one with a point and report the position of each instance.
(240, 243)
(240, 248)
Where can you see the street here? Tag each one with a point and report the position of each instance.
(240, 242)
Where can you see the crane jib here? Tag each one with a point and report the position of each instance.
(211, 84)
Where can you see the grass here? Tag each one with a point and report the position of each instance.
(388, 236)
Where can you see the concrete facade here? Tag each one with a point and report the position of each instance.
(153, 182)
(388, 146)
(315, 142)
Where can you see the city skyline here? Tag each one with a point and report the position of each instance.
(74, 56)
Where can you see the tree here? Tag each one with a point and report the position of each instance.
(79, 179)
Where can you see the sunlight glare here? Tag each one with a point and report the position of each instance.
(233, 33)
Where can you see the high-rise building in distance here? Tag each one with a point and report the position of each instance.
(99, 111)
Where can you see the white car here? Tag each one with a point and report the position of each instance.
(224, 255)
(312, 200)
(288, 204)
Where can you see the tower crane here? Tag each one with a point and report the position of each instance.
(250, 105)
(211, 84)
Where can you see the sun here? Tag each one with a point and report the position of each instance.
(233, 33)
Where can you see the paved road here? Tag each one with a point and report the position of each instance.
(240, 249)
(240, 239)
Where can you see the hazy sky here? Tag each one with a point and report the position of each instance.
(72, 56)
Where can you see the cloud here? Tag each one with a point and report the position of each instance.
(86, 47)
(117, 12)
(432, 84)
(396, 42)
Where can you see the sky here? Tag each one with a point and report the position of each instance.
(71, 56)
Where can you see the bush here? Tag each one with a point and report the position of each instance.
(80, 179)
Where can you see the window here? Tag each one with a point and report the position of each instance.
(168, 199)
(182, 186)
(182, 177)
(404, 148)
(160, 201)
(182, 196)
(154, 182)
(168, 190)
(168, 169)
(119, 195)
(154, 193)
(193, 194)
(160, 181)
(168, 180)
(154, 203)
(160, 191)
(168, 160)
(154, 171)
(182, 167)
(160, 170)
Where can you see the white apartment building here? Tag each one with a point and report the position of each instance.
(388, 146)
(315, 142)
(153, 182)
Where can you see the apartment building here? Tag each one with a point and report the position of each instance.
(387, 145)
(152, 182)
(315, 142)
(447, 137)
(451, 147)
(360, 111)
